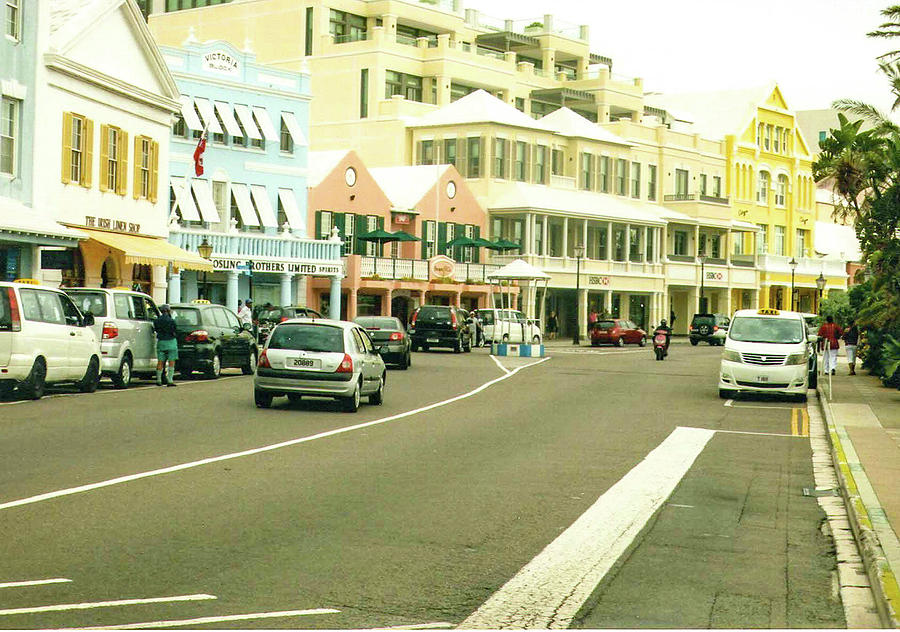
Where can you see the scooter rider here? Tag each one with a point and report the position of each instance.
(664, 328)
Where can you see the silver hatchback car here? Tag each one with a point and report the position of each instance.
(321, 358)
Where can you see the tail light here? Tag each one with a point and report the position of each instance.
(283, 318)
(715, 328)
(263, 361)
(110, 331)
(396, 336)
(346, 365)
(415, 316)
(200, 335)
(15, 318)
(453, 320)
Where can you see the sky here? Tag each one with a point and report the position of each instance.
(817, 50)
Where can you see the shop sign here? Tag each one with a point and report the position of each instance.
(91, 221)
(221, 62)
(598, 280)
(242, 265)
(715, 276)
(441, 267)
(57, 259)
(402, 218)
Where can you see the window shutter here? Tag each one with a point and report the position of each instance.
(104, 157)
(482, 151)
(87, 154)
(66, 148)
(318, 233)
(509, 159)
(122, 170)
(461, 156)
(338, 222)
(381, 223)
(136, 176)
(441, 238)
(154, 171)
(424, 240)
(476, 251)
(361, 228)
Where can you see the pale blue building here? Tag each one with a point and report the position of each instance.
(250, 203)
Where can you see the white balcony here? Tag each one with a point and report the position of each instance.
(805, 266)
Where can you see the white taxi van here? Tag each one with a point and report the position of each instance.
(766, 351)
(44, 339)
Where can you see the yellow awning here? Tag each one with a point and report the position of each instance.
(152, 251)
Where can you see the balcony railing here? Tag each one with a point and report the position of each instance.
(257, 246)
(680, 197)
(713, 198)
(744, 261)
(417, 269)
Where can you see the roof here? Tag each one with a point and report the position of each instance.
(836, 240)
(715, 114)
(406, 186)
(567, 122)
(518, 270)
(322, 163)
(477, 107)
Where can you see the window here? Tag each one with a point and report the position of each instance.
(449, 235)
(255, 142)
(767, 143)
(762, 188)
(179, 129)
(587, 170)
(113, 159)
(702, 184)
(520, 104)
(520, 161)
(146, 166)
(681, 182)
(781, 190)
(621, 175)
(715, 243)
(779, 241)
(9, 131)
(651, 182)
(346, 27)
(603, 174)
(372, 248)
(557, 162)
(759, 134)
(540, 164)
(680, 238)
(409, 86)
(77, 147)
(619, 242)
(347, 232)
(428, 243)
(636, 180)
(473, 151)
(287, 141)
(762, 240)
(634, 244)
(717, 186)
(500, 158)
(308, 43)
(363, 93)
(777, 143)
(218, 138)
(12, 18)
(784, 141)
(426, 152)
(702, 244)
(802, 243)
(325, 225)
(458, 91)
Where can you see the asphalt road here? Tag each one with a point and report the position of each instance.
(158, 505)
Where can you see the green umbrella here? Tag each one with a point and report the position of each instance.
(481, 242)
(461, 241)
(403, 236)
(379, 236)
(505, 244)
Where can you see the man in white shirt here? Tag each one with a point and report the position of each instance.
(245, 312)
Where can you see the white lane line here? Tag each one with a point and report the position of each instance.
(761, 434)
(34, 582)
(497, 362)
(684, 506)
(276, 446)
(220, 619)
(549, 590)
(104, 604)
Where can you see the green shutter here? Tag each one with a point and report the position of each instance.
(318, 233)
(441, 237)
(476, 252)
(459, 230)
(424, 239)
(359, 246)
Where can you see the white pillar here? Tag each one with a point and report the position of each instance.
(286, 298)
(544, 246)
(610, 246)
(174, 287)
(565, 237)
(231, 290)
(334, 311)
(301, 283)
(529, 235)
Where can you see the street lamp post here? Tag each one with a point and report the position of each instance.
(793, 263)
(579, 252)
(205, 250)
(820, 286)
(702, 283)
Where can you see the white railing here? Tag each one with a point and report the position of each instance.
(250, 245)
(805, 265)
(417, 269)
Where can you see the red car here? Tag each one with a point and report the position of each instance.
(617, 331)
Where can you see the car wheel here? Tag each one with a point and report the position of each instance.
(505, 338)
(35, 384)
(724, 393)
(215, 369)
(262, 398)
(122, 379)
(801, 398)
(595, 343)
(6, 388)
(91, 379)
(620, 342)
(694, 342)
(536, 340)
(377, 397)
(351, 404)
(407, 362)
(250, 367)
(468, 346)
(295, 398)
(425, 348)
(643, 341)
(457, 347)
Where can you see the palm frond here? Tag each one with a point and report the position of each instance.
(866, 111)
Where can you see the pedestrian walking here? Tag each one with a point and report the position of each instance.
(552, 325)
(245, 311)
(592, 318)
(829, 337)
(851, 339)
(166, 346)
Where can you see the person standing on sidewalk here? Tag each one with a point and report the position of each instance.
(829, 336)
(166, 346)
(851, 339)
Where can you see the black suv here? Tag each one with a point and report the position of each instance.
(268, 318)
(211, 338)
(711, 328)
(439, 326)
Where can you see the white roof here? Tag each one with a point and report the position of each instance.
(567, 122)
(477, 107)
(406, 186)
(836, 240)
(598, 205)
(518, 269)
(321, 163)
(19, 218)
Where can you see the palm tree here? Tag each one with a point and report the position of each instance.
(889, 30)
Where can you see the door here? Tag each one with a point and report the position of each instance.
(371, 372)
(46, 334)
(142, 337)
(226, 335)
(239, 341)
(82, 341)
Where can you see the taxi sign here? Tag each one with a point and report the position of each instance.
(768, 312)
(201, 301)
(28, 281)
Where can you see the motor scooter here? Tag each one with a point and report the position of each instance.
(660, 336)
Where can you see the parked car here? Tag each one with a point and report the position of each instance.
(812, 335)
(320, 358)
(388, 333)
(211, 338)
(123, 322)
(268, 318)
(711, 328)
(509, 325)
(618, 332)
(439, 326)
(44, 339)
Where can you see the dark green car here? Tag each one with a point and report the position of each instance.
(211, 338)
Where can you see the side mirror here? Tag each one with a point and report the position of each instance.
(88, 319)
(246, 326)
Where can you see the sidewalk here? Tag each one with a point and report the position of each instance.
(863, 420)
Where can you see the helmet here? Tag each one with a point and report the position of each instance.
(662, 323)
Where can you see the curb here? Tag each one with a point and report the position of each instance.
(882, 578)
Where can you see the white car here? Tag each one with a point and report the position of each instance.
(766, 351)
(44, 339)
(509, 325)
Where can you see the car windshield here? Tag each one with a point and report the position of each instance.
(186, 317)
(378, 322)
(605, 324)
(487, 317)
(433, 314)
(767, 330)
(308, 337)
(89, 302)
(270, 314)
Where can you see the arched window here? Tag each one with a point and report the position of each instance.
(781, 190)
(762, 188)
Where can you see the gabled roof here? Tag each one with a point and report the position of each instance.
(477, 107)
(406, 186)
(716, 114)
(567, 122)
(321, 163)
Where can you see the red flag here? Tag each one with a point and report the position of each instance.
(198, 155)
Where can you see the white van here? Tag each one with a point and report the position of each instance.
(44, 339)
(766, 351)
(509, 325)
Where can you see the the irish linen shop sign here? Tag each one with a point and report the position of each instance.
(221, 62)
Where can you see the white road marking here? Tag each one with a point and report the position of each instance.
(684, 506)
(253, 451)
(34, 582)
(104, 604)
(497, 362)
(592, 351)
(730, 404)
(761, 434)
(551, 588)
(220, 619)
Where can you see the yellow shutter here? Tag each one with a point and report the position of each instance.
(87, 157)
(136, 178)
(122, 169)
(104, 157)
(67, 148)
(154, 170)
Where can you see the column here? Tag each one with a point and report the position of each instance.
(565, 237)
(546, 230)
(443, 94)
(301, 285)
(584, 235)
(728, 301)
(174, 287)
(607, 302)
(286, 279)
(582, 312)
(231, 290)
(334, 311)
(529, 240)
(610, 247)
(191, 289)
